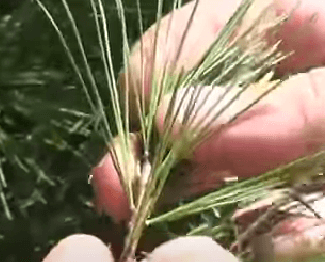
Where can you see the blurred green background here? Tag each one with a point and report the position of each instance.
(48, 141)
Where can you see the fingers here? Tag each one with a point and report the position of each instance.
(80, 248)
(86, 248)
(210, 15)
(190, 249)
(292, 235)
(110, 197)
(304, 33)
(287, 124)
(264, 139)
(296, 237)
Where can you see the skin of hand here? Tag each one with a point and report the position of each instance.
(80, 248)
(298, 238)
(110, 197)
(303, 33)
(190, 249)
(208, 16)
(287, 124)
(86, 248)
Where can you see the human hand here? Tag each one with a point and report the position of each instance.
(303, 33)
(295, 237)
(287, 124)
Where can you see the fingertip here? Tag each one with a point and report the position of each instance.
(191, 249)
(110, 197)
(80, 248)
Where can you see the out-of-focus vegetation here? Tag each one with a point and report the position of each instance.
(48, 137)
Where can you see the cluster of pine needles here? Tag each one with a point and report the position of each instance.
(237, 63)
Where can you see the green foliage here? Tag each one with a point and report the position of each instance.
(44, 150)
(48, 137)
